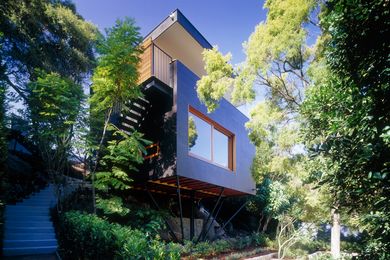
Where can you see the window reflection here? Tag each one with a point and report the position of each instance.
(221, 148)
(208, 141)
(199, 137)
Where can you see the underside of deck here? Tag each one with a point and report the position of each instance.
(188, 187)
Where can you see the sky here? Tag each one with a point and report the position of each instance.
(226, 23)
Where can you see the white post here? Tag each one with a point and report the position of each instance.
(335, 235)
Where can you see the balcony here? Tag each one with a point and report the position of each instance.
(154, 63)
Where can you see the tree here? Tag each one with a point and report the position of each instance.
(3, 142)
(277, 55)
(46, 35)
(54, 104)
(114, 81)
(347, 114)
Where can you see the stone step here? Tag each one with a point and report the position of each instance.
(16, 213)
(29, 236)
(28, 230)
(29, 250)
(42, 197)
(28, 223)
(29, 243)
(27, 218)
(28, 209)
(37, 204)
(24, 207)
(21, 214)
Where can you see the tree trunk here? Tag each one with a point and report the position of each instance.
(335, 235)
(106, 123)
(269, 217)
(260, 222)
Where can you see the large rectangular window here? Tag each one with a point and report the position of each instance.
(210, 141)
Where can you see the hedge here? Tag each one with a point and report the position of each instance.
(86, 236)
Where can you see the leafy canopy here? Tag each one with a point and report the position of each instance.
(54, 104)
(347, 117)
(276, 54)
(115, 78)
(47, 35)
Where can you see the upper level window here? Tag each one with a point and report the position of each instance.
(209, 141)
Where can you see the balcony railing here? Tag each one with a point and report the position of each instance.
(154, 62)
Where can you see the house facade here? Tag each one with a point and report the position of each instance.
(203, 154)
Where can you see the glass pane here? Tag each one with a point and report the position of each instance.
(221, 148)
(199, 136)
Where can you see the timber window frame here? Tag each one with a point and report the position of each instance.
(215, 128)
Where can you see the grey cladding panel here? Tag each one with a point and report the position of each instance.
(227, 116)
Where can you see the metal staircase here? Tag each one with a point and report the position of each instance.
(133, 114)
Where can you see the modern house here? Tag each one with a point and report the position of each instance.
(194, 154)
(203, 152)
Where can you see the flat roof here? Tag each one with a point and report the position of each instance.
(177, 16)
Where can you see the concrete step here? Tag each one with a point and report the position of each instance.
(30, 209)
(27, 218)
(29, 236)
(28, 230)
(42, 197)
(24, 207)
(39, 204)
(28, 223)
(29, 243)
(28, 250)
(17, 213)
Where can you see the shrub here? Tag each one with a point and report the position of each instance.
(84, 236)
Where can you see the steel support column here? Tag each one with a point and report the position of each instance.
(192, 219)
(166, 221)
(230, 219)
(180, 207)
(212, 221)
(210, 214)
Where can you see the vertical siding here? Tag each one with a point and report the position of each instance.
(154, 62)
(161, 63)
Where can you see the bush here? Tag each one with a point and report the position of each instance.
(85, 236)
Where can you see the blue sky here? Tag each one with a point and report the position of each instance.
(224, 23)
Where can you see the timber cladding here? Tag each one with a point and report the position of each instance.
(145, 66)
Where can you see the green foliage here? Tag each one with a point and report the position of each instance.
(207, 249)
(347, 113)
(114, 83)
(115, 78)
(113, 205)
(54, 104)
(212, 87)
(274, 141)
(90, 237)
(47, 35)
(276, 53)
(123, 154)
(276, 58)
(192, 133)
